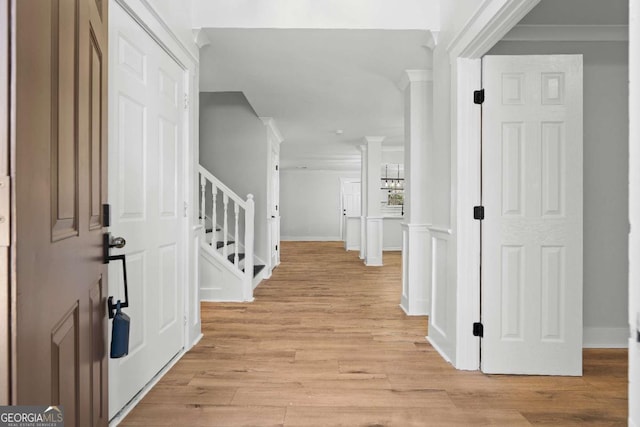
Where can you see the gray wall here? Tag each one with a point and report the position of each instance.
(310, 204)
(233, 147)
(606, 188)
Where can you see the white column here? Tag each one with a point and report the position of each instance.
(417, 86)
(373, 255)
(363, 201)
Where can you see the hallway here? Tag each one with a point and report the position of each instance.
(325, 343)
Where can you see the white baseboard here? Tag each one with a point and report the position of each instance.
(421, 311)
(392, 249)
(631, 423)
(605, 338)
(311, 238)
(439, 350)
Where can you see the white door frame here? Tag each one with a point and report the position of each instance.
(274, 139)
(6, 247)
(634, 211)
(488, 25)
(344, 181)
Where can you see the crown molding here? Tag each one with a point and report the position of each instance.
(570, 33)
(374, 139)
(200, 37)
(433, 40)
(270, 123)
(413, 76)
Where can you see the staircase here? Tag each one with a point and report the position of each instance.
(229, 270)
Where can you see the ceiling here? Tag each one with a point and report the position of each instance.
(315, 82)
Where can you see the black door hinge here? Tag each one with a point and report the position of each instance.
(106, 215)
(478, 212)
(478, 96)
(276, 247)
(478, 330)
(276, 167)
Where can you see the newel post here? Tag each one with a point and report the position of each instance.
(249, 214)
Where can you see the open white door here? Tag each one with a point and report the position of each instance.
(532, 232)
(351, 197)
(274, 221)
(146, 191)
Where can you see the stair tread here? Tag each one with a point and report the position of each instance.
(231, 257)
(256, 269)
(220, 243)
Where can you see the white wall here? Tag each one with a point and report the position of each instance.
(310, 204)
(233, 147)
(634, 212)
(177, 16)
(606, 187)
(361, 14)
(392, 234)
(455, 270)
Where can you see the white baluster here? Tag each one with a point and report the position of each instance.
(203, 184)
(225, 248)
(236, 209)
(214, 220)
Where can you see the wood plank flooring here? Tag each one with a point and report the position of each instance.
(326, 344)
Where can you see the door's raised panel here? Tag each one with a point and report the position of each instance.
(65, 366)
(168, 286)
(553, 169)
(64, 137)
(132, 59)
(95, 134)
(512, 169)
(553, 88)
(513, 88)
(553, 287)
(132, 141)
(168, 178)
(512, 283)
(97, 339)
(168, 88)
(137, 280)
(439, 314)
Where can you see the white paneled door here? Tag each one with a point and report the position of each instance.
(274, 221)
(532, 232)
(146, 195)
(350, 203)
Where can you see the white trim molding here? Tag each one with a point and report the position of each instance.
(415, 299)
(270, 123)
(375, 226)
(411, 76)
(491, 21)
(569, 33)
(200, 38)
(605, 337)
(310, 239)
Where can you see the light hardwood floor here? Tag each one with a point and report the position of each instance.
(325, 343)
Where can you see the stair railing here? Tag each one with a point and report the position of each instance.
(209, 210)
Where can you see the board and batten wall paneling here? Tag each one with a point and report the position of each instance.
(606, 187)
(310, 204)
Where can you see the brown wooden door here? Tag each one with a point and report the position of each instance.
(60, 178)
